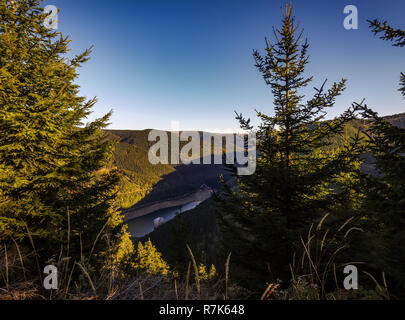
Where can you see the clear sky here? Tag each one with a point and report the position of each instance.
(158, 61)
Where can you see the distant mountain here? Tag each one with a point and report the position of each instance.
(142, 183)
(397, 120)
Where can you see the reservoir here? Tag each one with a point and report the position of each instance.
(140, 227)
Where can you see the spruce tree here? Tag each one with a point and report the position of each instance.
(299, 178)
(180, 236)
(385, 202)
(54, 187)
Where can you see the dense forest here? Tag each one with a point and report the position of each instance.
(326, 193)
(141, 182)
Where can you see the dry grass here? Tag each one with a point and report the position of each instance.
(311, 272)
(16, 267)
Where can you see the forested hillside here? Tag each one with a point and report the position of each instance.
(142, 181)
(202, 230)
(137, 174)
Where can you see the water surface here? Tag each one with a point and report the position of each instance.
(140, 227)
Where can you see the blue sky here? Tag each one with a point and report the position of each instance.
(157, 61)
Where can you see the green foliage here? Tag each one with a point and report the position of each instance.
(142, 181)
(204, 274)
(300, 175)
(131, 260)
(385, 202)
(176, 244)
(386, 32)
(137, 174)
(200, 231)
(53, 185)
(150, 260)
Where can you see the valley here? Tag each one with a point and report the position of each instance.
(144, 219)
(149, 192)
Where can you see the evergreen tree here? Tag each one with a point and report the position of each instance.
(299, 176)
(385, 203)
(180, 237)
(150, 260)
(53, 185)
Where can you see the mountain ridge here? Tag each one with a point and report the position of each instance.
(142, 183)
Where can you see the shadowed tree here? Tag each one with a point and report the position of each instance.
(180, 236)
(385, 202)
(299, 176)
